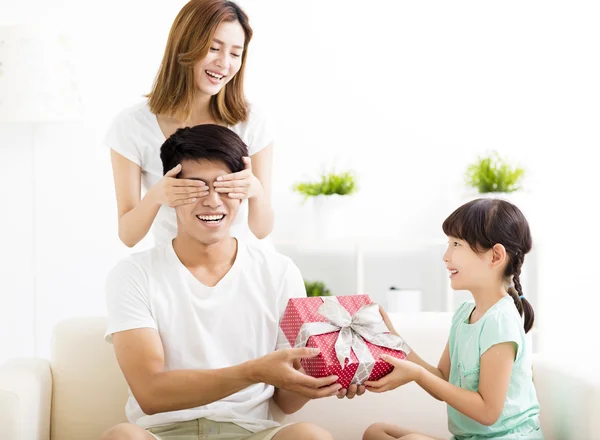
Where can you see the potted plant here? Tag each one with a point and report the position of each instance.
(328, 184)
(316, 288)
(493, 174)
(330, 195)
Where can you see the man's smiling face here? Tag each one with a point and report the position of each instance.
(209, 219)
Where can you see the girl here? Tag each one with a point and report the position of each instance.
(200, 81)
(485, 373)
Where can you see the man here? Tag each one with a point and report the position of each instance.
(195, 323)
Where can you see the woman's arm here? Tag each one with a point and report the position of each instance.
(260, 211)
(137, 214)
(253, 183)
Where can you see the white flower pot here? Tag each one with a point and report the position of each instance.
(521, 199)
(332, 217)
(530, 206)
(404, 301)
(491, 195)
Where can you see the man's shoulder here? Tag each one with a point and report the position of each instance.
(141, 263)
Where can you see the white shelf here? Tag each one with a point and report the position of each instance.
(371, 266)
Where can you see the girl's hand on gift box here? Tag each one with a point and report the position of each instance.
(388, 321)
(404, 372)
(353, 390)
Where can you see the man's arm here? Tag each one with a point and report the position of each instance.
(140, 353)
(288, 401)
(141, 358)
(293, 287)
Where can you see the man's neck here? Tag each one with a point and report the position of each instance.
(193, 253)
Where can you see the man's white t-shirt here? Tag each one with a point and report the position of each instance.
(205, 327)
(135, 134)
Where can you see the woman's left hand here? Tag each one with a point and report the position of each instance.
(404, 372)
(240, 185)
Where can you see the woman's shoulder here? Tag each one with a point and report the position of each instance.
(257, 130)
(132, 130)
(135, 113)
(257, 117)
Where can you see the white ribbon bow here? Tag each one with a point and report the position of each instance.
(366, 323)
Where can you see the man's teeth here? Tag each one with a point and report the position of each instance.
(214, 75)
(210, 218)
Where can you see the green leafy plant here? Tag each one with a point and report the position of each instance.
(316, 288)
(344, 183)
(492, 174)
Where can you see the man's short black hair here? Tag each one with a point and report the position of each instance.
(206, 141)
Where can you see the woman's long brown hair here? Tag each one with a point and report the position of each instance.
(189, 40)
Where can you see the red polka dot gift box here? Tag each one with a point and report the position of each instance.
(350, 334)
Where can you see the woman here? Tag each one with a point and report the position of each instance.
(200, 81)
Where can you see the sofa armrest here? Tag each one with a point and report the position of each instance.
(25, 399)
(569, 396)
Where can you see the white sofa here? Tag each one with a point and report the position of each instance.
(80, 392)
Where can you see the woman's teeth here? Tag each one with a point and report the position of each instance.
(214, 75)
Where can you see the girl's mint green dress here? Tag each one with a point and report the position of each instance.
(467, 343)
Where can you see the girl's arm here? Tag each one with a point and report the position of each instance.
(443, 369)
(484, 405)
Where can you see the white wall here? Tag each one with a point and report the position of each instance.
(405, 93)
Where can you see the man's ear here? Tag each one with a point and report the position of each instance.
(498, 255)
